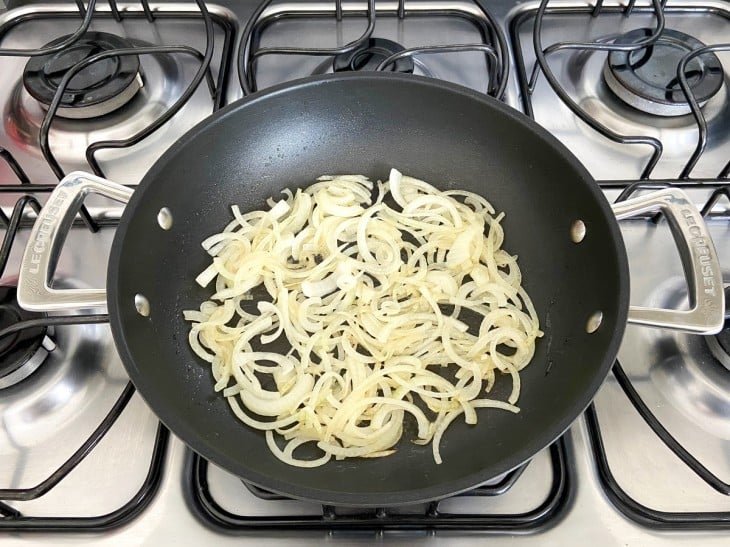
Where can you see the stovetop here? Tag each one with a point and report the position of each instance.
(106, 468)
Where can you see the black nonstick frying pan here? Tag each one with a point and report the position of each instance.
(558, 222)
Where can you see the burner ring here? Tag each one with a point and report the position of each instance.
(370, 55)
(97, 89)
(23, 352)
(646, 79)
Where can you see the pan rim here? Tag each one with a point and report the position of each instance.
(208, 450)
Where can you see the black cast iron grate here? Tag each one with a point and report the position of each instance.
(657, 8)
(383, 520)
(493, 42)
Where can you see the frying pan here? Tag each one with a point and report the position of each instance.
(570, 252)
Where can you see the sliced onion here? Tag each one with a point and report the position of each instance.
(372, 302)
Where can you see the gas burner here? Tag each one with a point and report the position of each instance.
(370, 55)
(23, 352)
(98, 89)
(647, 78)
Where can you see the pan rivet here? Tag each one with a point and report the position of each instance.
(577, 231)
(164, 218)
(142, 305)
(594, 321)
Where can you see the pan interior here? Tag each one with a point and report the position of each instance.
(366, 124)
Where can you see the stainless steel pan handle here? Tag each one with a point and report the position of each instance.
(699, 259)
(46, 239)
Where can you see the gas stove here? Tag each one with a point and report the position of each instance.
(81, 453)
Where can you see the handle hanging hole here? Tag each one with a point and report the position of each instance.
(164, 218)
(577, 231)
(142, 305)
(594, 322)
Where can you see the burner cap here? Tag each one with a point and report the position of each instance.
(647, 78)
(370, 55)
(96, 90)
(23, 352)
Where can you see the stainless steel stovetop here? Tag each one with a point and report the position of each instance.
(611, 480)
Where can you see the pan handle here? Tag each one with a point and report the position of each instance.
(699, 260)
(46, 239)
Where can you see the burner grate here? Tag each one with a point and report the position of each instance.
(611, 45)
(216, 86)
(15, 167)
(382, 519)
(493, 42)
